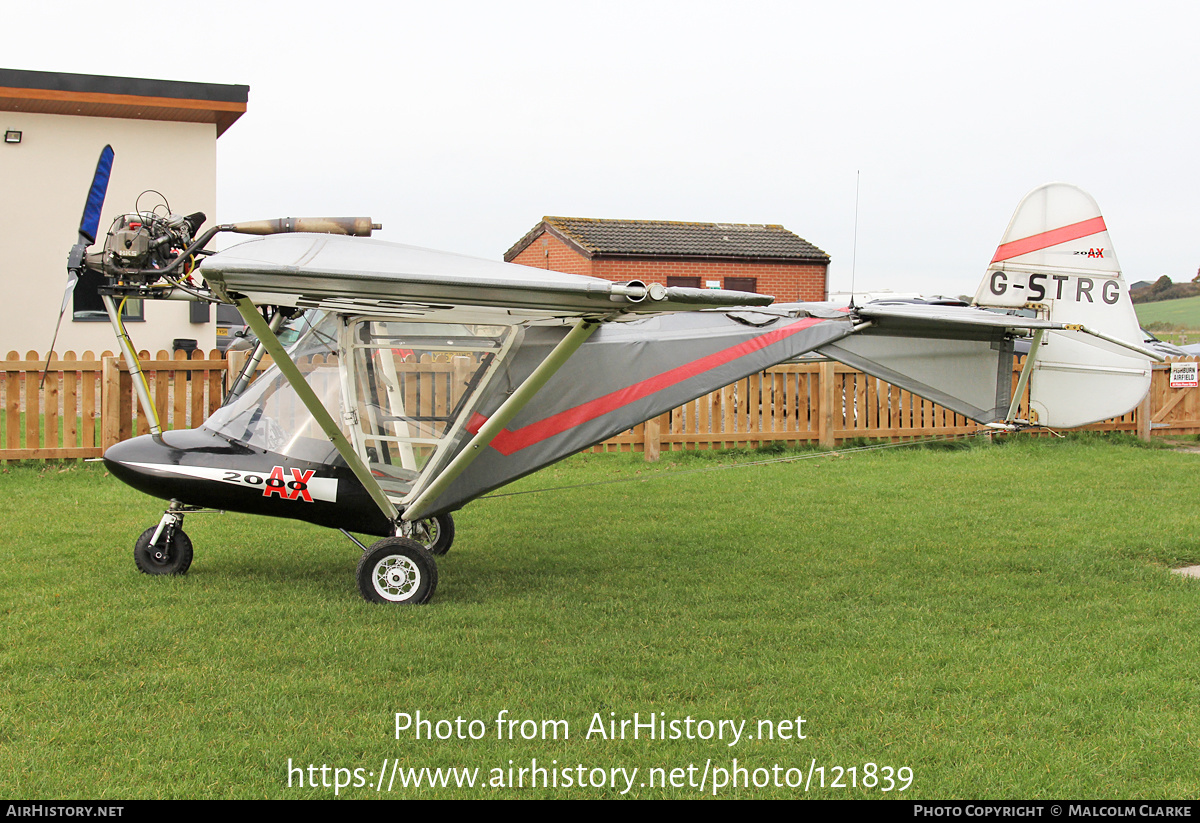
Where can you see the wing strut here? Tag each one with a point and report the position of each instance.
(314, 405)
(516, 401)
(1023, 380)
(251, 366)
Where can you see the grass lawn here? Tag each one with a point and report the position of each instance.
(1000, 620)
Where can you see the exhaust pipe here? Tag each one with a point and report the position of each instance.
(353, 226)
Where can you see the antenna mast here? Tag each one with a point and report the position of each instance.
(854, 248)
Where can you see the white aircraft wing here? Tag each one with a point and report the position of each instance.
(335, 272)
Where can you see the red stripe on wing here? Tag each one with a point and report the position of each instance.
(507, 442)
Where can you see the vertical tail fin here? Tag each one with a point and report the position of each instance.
(1056, 258)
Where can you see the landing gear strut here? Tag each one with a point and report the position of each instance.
(165, 548)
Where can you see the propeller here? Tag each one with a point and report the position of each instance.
(89, 225)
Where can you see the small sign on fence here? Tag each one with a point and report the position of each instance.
(1183, 376)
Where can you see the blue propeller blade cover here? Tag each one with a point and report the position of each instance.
(89, 224)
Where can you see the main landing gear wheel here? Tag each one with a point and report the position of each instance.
(397, 570)
(435, 533)
(172, 554)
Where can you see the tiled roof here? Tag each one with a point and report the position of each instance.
(666, 238)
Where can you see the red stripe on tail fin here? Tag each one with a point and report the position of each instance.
(1049, 238)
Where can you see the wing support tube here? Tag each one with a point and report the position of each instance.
(314, 405)
(254, 359)
(516, 401)
(1023, 380)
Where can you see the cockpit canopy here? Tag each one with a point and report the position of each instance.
(401, 403)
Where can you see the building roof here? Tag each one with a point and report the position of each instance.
(90, 95)
(667, 238)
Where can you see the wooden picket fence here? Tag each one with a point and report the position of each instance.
(88, 404)
(829, 403)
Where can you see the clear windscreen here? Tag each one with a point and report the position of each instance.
(269, 414)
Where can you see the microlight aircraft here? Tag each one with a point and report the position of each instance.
(352, 430)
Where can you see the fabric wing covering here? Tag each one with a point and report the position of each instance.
(625, 374)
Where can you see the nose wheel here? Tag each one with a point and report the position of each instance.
(170, 554)
(434, 533)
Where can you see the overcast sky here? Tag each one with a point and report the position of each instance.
(458, 125)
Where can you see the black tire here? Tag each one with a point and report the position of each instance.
(397, 570)
(177, 559)
(435, 533)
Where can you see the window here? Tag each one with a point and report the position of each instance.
(742, 284)
(689, 282)
(411, 383)
(87, 307)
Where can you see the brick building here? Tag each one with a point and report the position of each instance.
(765, 259)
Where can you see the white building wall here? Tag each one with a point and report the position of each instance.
(44, 182)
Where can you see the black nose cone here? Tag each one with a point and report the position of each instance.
(144, 463)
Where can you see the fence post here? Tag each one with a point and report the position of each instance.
(235, 361)
(1145, 415)
(651, 440)
(33, 405)
(825, 391)
(110, 402)
(461, 368)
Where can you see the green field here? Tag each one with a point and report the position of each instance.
(998, 619)
(1171, 315)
